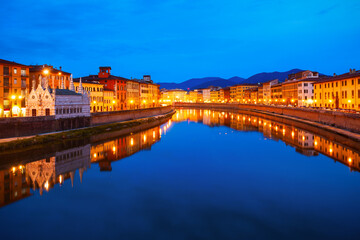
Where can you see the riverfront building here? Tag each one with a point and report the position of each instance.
(133, 94)
(14, 86)
(225, 95)
(174, 95)
(95, 91)
(57, 77)
(339, 91)
(63, 103)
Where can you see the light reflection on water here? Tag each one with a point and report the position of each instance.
(184, 192)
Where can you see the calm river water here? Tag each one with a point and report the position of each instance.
(203, 175)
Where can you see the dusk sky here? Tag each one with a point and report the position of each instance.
(174, 40)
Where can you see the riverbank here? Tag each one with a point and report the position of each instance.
(28, 126)
(314, 120)
(95, 133)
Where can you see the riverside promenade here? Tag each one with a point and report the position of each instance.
(13, 128)
(342, 123)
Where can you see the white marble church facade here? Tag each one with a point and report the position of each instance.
(63, 103)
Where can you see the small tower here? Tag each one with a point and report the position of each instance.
(71, 87)
(80, 89)
(104, 72)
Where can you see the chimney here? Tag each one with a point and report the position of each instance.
(60, 68)
(334, 74)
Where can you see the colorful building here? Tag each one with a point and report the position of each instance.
(133, 94)
(109, 100)
(14, 86)
(240, 91)
(95, 91)
(109, 81)
(215, 96)
(339, 91)
(56, 77)
(225, 95)
(174, 95)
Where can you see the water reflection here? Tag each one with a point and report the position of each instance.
(304, 142)
(22, 181)
(41, 175)
(106, 152)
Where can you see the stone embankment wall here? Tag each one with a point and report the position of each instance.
(119, 116)
(348, 121)
(27, 126)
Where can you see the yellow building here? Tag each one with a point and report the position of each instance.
(215, 96)
(153, 95)
(133, 94)
(174, 95)
(96, 93)
(144, 95)
(240, 91)
(109, 100)
(276, 94)
(14, 86)
(195, 96)
(342, 91)
(233, 93)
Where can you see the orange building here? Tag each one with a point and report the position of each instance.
(109, 81)
(13, 185)
(14, 85)
(57, 77)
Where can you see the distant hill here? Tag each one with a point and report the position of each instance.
(205, 82)
(219, 83)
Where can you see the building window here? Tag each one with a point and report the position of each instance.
(33, 112)
(6, 81)
(6, 70)
(15, 81)
(47, 112)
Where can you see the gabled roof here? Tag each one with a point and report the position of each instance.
(6, 62)
(65, 92)
(347, 75)
(40, 68)
(97, 78)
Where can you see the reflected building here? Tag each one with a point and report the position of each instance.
(106, 152)
(304, 142)
(20, 181)
(45, 173)
(13, 185)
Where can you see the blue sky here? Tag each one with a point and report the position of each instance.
(174, 40)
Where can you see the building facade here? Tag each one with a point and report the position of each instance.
(57, 78)
(63, 103)
(14, 86)
(339, 91)
(133, 94)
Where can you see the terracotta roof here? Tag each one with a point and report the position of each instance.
(340, 77)
(39, 68)
(97, 78)
(303, 80)
(6, 62)
(86, 81)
